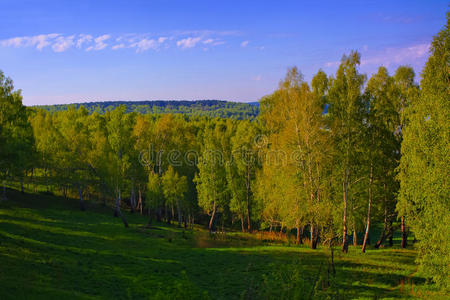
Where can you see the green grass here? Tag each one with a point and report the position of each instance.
(51, 250)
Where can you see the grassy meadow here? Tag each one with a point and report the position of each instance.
(49, 249)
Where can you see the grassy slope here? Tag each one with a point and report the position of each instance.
(50, 250)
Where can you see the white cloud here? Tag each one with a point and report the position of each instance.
(140, 42)
(217, 43)
(99, 43)
(244, 44)
(13, 42)
(332, 64)
(144, 45)
(213, 42)
(399, 55)
(63, 43)
(39, 41)
(84, 38)
(119, 46)
(412, 55)
(188, 42)
(162, 39)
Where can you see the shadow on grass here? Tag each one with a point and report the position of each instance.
(50, 249)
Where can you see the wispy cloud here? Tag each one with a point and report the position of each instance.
(244, 44)
(394, 56)
(412, 55)
(140, 42)
(83, 38)
(189, 42)
(162, 39)
(144, 45)
(213, 42)
(39, 41)
(332, 64)
(99, 43)
(399, 19)
(63, 43)
(118, 46)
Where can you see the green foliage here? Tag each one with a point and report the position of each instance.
(174, 189)
(205, 108)
(16, 135)
(425, 190)
(212, 189)
(241, 172)
(346, 122)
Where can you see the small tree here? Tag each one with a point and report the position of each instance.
(174, 189)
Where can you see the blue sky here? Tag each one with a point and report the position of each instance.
(78, 51)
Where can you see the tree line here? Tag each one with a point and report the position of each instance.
(208, 108)
(329, 160)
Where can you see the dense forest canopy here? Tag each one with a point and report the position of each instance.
(208, 108)
(378, 157)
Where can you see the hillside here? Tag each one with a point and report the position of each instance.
(52, 250)
(209, 108)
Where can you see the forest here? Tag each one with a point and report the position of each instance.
(208, 108)
(341, 163)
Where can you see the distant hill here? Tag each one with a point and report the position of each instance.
(209, 108)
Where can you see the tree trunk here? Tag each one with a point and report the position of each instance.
(179, 213)
(299, 233)
(366, 235)
(344, 234)
(140, 200)
(118, 213)
(383, 233)
(132, 199)
(313, 237)
(80, 191)
(404, 241)
(242, 223)
(391, 234)
(355, 236)
(212, 217)
(249, 223)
